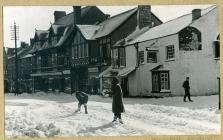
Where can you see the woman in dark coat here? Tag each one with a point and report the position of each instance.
(117, 103)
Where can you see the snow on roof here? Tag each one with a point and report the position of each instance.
(131, 36)
(27, 55)
(109, 72)
(58, 29)
(66, 34)
(170, 27)
(160, 68)
(88, 31)
(109, 25)
(21, 53)
(45, 46)
(126, 71)
(42, 34)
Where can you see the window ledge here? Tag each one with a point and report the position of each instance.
(217, 58)
(172, 59)
(165, 91)
(142, 63)
(151, 62)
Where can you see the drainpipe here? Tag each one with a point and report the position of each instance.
(136, 45)
(219, 93)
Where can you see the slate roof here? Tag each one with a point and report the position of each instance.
(69, 18)
(88, 31)
(109, 25)
(106, 27)
(21, 52)
(91, 32)
(66, 33)
(58, 29)
(42, 34)
(170, 27)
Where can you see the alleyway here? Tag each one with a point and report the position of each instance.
(43, 115)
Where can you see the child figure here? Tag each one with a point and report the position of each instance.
(82, 99)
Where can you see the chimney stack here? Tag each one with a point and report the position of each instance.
(144, 16)
(31, 41)
(77, 14)
(59, 14)
(196, 13)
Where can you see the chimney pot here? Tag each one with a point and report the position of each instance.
(196, 13)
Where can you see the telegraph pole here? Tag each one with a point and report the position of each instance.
(14, 31)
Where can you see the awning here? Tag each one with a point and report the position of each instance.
(160, 68)
(126, 71)
(46, 74)
(109, 72)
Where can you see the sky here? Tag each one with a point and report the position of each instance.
(29, 18)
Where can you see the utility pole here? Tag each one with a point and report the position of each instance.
(14, 34)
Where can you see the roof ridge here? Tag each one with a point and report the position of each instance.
(210, 8)
(188, 14)
(119, 14)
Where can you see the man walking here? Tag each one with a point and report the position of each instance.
(186, 86)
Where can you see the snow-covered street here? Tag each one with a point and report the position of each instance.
(42, 115)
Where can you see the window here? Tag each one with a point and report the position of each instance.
(190, 39)
(54, 40)
(160, 81)
(75, 51)
(54, 59)
(79, 51)
(217, 48)
(115, 57)
(72, 51)
(164, 82)
(151, 57)
(141, 57)
(86, 50)
(38, 61)
(105, 49)
(122, 56)
(169, 52)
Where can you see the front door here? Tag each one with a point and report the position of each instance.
(160, 81)
(124, 85)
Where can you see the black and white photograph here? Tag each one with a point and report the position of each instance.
(137, 70)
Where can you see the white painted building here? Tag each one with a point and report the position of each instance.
(156, 61)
